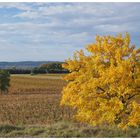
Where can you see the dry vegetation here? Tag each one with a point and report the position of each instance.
(33, 100)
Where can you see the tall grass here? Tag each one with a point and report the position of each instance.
(66, 129)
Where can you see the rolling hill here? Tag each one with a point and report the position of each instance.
(23, 64)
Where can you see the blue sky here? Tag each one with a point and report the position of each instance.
(53, 31)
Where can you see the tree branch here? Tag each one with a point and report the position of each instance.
(132, 96)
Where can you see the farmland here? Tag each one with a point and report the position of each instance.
(31, 109)
(33, 100)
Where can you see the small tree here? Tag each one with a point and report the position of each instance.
(4, 81)
(104, 86)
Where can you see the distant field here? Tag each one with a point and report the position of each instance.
(44, 76)
(33, 100)
(39, 84)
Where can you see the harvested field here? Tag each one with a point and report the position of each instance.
(33, 100)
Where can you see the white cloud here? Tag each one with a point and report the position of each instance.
(19, 6)
(115, 28)
(43, 27)
(68, 9)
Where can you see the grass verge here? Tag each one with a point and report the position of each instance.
(65, 130)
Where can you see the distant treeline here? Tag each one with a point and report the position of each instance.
(55, 67)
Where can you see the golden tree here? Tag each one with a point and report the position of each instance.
(105, 84)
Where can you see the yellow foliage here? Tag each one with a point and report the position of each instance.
(103, 85)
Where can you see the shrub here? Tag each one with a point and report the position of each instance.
(4, 81)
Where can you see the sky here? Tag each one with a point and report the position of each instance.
(53, 31)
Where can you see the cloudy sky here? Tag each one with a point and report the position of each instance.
(53, 31)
